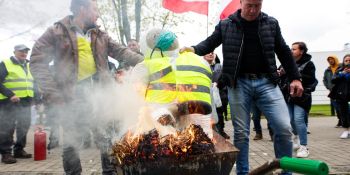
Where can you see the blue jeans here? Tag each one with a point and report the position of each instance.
(256, 117)
(269, 99)
(297, 117)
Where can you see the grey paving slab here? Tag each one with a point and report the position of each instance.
(324, 144)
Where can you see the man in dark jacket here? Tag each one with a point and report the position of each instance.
(79, 50)
(249, 41)
(16, 95)
(299, 107)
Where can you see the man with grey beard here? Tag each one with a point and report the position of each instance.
(80, 53)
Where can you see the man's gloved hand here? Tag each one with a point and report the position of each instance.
(163, 116)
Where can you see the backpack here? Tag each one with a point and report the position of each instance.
(312, 87)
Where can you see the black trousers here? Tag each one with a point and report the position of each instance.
(344, 113)
(222, 112)
(14, 116)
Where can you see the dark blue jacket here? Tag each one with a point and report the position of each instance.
(229, 33)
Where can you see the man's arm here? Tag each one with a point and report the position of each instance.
(326, 81)
(121, 53)
(3, 73)
(284, 54)
(208, 45)
(40, 58)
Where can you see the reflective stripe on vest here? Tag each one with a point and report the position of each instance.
(162, 85)
(20, 83)
(193, 78)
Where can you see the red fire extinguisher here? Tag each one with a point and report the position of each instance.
(39, 145)
(40, 140)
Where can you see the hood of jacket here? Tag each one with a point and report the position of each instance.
(336, 64)
(305, 58)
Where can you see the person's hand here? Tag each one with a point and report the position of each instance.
(186, 49)
(346, 70)
(281, 72)
(119, 76)
(15, 99)
(296, 88)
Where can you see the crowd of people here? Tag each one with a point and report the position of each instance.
(69, 62)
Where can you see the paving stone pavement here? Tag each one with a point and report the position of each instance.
(324, 144)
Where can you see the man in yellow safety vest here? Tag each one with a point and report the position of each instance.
(16, 94)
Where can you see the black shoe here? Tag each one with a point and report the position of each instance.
(258, 136)
(22, 154)
(8, 159)
(224, 135)
(52, 145)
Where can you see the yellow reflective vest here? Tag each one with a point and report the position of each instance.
(193, 78)
(18, 81)
(162, 82)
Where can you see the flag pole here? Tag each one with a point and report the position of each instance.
(208, 19)
(207, 26)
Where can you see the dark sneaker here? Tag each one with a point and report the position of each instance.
(224, 135)
(8, 159)
(22, 154)
(258, 136)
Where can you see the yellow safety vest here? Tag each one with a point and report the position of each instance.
(162, 82)
(193, 78)
(20, 83)
(86, 65)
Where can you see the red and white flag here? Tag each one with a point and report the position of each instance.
(228, 7)
(181, 6)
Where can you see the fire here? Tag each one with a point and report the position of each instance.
(147, 147)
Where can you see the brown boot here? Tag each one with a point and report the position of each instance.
(258, 136)
(22, 154)
(8, 159)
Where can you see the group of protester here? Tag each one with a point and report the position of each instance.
(336, 80)
(248, 78)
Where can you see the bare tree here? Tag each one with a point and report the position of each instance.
(138, 18)
(147, 14)
(125, 20)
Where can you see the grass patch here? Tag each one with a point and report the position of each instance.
(320, 110)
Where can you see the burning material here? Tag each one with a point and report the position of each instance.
(151, 147)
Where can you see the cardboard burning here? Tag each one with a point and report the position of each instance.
(151, 147)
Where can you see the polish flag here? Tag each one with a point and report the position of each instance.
(228, 7)
(181, 6)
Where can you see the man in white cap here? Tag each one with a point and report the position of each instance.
(16, 94)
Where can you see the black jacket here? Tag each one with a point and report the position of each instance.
(229, 33)
(309, 83)
(341, 89)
